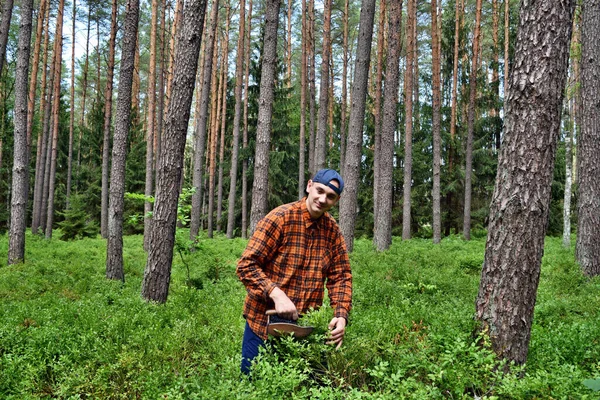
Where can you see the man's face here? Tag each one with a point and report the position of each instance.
(320, 198)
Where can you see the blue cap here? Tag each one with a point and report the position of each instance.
(325, 176)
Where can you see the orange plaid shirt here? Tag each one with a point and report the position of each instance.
(298, 254)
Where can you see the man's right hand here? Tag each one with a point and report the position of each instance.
(283, 305)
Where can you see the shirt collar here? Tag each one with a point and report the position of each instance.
(308, 220)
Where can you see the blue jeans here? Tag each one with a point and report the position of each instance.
(250, 346)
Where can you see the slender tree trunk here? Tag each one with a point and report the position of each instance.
(215, 118)
(135, 96)
(162, 74)
(86, 65)
(377, 110)
(506, 48)
(454, 107)
(55, 115)
(108, 94)
(34, 72)
(72, 113)
(150, 127)
(313, 88)
(436, 119)
(382, 239)
(357, 114)
(260, 187)
(343, 122)
(245, 139)
(588, 206)
(408, 103)
(239, 80)
(20, 170)
(288, 59)
(7, 10)
(303, 84)
(157, 275)
(223, 118)
(114, 248)
(495, 110)
(321, 138)
(172, 55)
(471, 124)
(570, 126)
(521, 200)
(200, 139)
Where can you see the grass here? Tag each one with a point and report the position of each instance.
(67, 332)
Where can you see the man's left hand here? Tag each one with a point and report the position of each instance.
(337, 326)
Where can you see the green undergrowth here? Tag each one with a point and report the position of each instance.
(66, 332)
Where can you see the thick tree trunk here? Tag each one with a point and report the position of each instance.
(520, 203)
(237, 116)
(200, 134)
(471, 124)
(377, 110)
(382, 239)
(436, 119)
(355, 131)
(108, 94)
(20, 170)
(260, 187)
(157, 275)
(411, 20)
(321, 137)
(114, 248)
(245, 140)
(7, 10)
(588, 225)
(55, 115)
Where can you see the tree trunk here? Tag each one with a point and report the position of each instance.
(471, 124)
(150, 127)
(245, 140)
(114, 248)
(157, 275)
(162, 74)
(377, 111)
(55, 115)
(506, 48)
(313, 89)
(223, 117)
(260, 187)
(321, 138)
(34, 71)
(303, 84)
(20, 171)
(495, 111)
(343, 123)
(457, 25)
(200, 134)
(521, 200)
(288, 59)
(239, 78)
(569, 135)
(588, 225)
(215, 116)
(411, 19)
(172, 55)
(436, 118)
(86, 64)
(72, 113)
(7, 10)
(108, 94)
(382, 239)
(355, 132)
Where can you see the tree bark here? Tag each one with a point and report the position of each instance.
(382, 239)
(245, 140)
(114, 248)
(471, 124)
(237, 116)
(343, 122)
(200, 134)
(20, 170)
(55, 115)
(588, 225)
(321, 137)
(377, 110)
(215, 116)
(157, 275)
(260, 186)
(303, 84)
(520, 203)
(72, 113)
(436, 119)
(408, 105)
(108, 94)
(7, 10)
(506, 47)
(313, 89)
(569, 134)
(355, 131)
(34, 70)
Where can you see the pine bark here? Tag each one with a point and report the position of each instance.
(436, 120)
(588, 206)
(7, 10)
(237, 116)
(313, 89)
(521, 200)
(355, 130)
(471, 124)
(108, 94)
(157, 275)
(201, 132)
(569, 135)
(114, 248)
(34, 70)
(260, 186)
(20, 170)
(215, 116)
(303, 84)
(321, 136)
(377, 109)
(245, 135)
(382, 239)
(72, 113)
(343, 122)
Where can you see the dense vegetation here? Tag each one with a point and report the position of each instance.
(67, 332)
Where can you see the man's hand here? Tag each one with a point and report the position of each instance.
(283, 305)
(337, 326)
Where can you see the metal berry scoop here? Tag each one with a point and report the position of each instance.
(277, 326)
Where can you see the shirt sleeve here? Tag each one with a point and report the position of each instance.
(261, 248)
(339, 280)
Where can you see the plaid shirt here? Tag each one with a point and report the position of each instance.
(298, 254)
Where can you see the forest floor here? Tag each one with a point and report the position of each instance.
(67, 332)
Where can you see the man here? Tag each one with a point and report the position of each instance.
(295, 251)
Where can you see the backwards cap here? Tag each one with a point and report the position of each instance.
(325, 176)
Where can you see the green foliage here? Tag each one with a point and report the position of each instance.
(76, 223)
